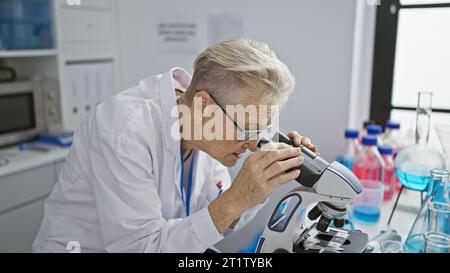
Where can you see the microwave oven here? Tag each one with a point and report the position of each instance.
(28, 108)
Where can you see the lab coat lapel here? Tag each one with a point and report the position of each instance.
(168, 104)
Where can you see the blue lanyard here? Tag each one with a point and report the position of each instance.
(189, 186)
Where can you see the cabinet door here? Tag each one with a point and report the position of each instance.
(19, 227)
(26, 186)
(86, 26)
(22, 198)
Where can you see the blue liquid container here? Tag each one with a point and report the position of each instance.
(415, 244)
(366, 213)
(350, 150)
(414, 163)
(347, 161)
(434, 216)
(412, 181)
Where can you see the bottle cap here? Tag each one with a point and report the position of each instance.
(385, 150)
(370, 140)
(374, 129)
(392, 124)
(351, 133)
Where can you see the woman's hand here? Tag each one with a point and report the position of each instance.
(298, 140)
(261, 173)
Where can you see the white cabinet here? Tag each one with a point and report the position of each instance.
(18, 228)
(22, 198)
(86, 85)
(88, 57)
(86, 42)
(28, 185)
(88, 26)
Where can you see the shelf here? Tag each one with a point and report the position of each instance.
(28, 53)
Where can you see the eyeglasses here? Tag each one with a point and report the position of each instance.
(244, 134)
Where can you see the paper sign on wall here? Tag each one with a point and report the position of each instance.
(177, 34)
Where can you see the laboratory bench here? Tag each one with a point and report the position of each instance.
(26, 179)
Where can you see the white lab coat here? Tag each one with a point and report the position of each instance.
(119, 189)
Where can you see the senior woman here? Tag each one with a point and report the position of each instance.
(144, 176)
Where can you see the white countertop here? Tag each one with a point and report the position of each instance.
(24, 160)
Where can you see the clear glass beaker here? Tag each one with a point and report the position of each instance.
(366, 208)
(438, 188)
(391, 246)
(414, 163)
(437, 242)
(434, 217)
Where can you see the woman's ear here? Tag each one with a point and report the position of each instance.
(205, 98)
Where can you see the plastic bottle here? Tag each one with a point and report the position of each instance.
(389, 178)
(368, 164)
(369, 167)
(375, 130)
(350, 149)
(391, 136)
(363, 131)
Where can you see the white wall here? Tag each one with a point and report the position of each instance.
(313, 37)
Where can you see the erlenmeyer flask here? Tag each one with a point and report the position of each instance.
(432, 218)
(434, 214)
(414, 163)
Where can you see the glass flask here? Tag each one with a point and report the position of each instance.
(437, 242)
(391, 246)
(414, 163)
(432, 218)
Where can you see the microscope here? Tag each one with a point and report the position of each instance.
(331, 187)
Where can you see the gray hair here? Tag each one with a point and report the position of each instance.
(238, 71)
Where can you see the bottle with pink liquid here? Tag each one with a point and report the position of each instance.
(389, 177)
(368, 164)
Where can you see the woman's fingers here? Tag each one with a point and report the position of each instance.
(278, 155)
(284, 178)
(280, 167)
(298, 140)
